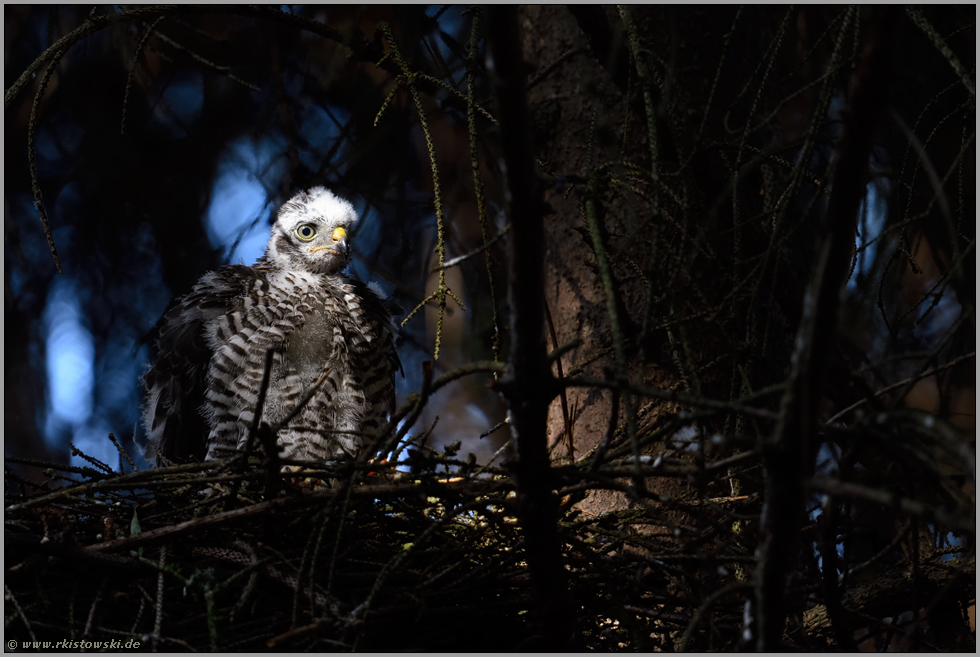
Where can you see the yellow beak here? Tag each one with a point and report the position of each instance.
(339, 235)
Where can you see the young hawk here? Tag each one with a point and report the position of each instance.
(296, 301)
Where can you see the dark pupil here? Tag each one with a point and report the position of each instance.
(306, 231)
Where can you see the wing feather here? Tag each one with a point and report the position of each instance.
(380, 309)
(177, 382)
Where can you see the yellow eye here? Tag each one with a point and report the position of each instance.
(339, 233)
(306, 232)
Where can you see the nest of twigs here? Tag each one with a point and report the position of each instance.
(226, 556)
(202, 557)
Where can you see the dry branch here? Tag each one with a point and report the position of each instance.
(528, 385)
(789, 454)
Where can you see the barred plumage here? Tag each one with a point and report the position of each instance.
(296, 300)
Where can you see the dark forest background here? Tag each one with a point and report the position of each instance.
(755, 228)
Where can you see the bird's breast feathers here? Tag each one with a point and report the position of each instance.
(331, 315)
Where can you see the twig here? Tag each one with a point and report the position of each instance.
(550, 68)
(478, 250)
(789, 453)
(85, 472)
(472, 62)
(963, 521)
(937, 40)
(597, 234)
(93, 24)
(704, 607)
(883, 552)
(931, 174)
(420, 401)
(87, 632)
(32, 154)
(130, 481)
(507, 445)
(310, 499)
(361, 610)
(122, 453)
(904, 382)
(711, 94)
(158, 618)
(494, 428)
(603, 446)
(94, 461)
(132, 73)
(442, 291)
(9, 595)
(224, 70)
(677, 397)
(645, 75)
(569, 441)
